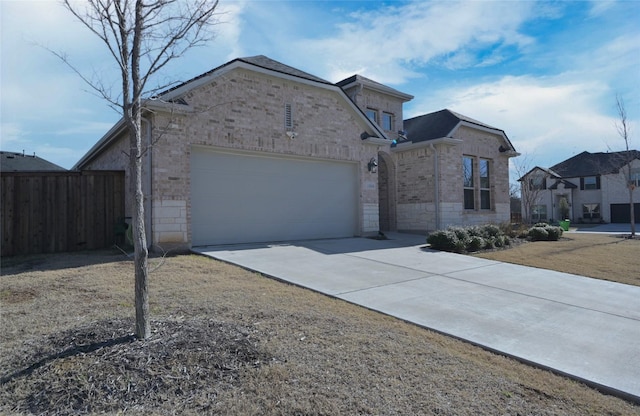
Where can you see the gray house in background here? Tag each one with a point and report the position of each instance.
(595, 185)
(20, 162)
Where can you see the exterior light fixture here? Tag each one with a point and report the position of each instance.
(373, 165)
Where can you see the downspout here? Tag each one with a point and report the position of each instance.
(436, 187)
(149, 208)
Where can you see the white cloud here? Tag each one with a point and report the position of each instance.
(546, 118)
(388, 44)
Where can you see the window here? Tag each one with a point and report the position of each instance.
(387, 121)
(537, 182)
(485, 191)
(590, 183)
(288, 117)
(372, 114)
(591, 211)
(539, 213)
(476, 188)
(634, 180)
(467, 174)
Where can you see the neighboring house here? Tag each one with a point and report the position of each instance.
(257, 151)
(20, 162)
(594, 185)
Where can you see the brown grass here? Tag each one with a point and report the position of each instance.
(293, 351)
(600, 256)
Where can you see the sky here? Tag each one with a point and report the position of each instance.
(547, 73)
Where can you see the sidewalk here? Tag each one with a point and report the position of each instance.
(585, 328)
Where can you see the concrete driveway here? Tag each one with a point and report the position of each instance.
(602, 228)
(585, 328)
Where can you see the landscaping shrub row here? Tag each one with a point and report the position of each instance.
(488, 237)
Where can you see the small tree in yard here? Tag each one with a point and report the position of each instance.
(142, 37)
(532, 186)
(629, 155)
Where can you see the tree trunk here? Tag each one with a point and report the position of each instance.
(143, 329)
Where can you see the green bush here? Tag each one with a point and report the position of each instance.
(538, 233)
(475, 243)
(444, 240)
(544, 233)
(554, 233)
(468, 239)
(492, 230)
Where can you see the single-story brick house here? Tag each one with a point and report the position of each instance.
(257, 151)
(594, 185)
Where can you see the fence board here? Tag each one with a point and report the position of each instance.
(48, 212)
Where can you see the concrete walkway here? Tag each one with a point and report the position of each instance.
(585, 328)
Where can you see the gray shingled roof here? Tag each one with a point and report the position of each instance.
(374, 84)
(19, 162)
(259, 61)
(436, 125)
(268, 63)
(592, 164)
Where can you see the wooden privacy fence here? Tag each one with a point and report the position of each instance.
(49, 212)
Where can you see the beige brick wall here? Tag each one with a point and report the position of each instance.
(244, 110)
(416, 182)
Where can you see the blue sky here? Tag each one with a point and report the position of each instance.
(547, 73)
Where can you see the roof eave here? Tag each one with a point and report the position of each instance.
(446, 141)
(101, 144)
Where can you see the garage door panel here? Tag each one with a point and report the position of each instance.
(252, 198)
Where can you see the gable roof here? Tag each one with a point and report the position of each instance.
(357, 79)
(19, 162)
(545, 172)
(172, 98)
(442, 124)
(593, 164)
(259, 61)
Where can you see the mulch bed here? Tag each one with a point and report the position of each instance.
(101, 367)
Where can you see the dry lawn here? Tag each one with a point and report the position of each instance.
(600, 256)
(231, 342)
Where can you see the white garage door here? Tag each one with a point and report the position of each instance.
(243, 197)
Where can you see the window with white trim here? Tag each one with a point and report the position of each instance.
(634, 180)
(372, 114)
(591, 211)
(387, 121)
(468, 182)
(485, 182)
(539, 213)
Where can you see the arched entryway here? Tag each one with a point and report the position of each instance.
(386, 192)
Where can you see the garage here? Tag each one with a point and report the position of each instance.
(620, 213)
(239, 197)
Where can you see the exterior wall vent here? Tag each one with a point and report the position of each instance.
(288, 117)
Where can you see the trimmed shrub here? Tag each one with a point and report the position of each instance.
(461, 233)
(538, 233)
(489, 243)
(492, 230)
(475, 243)
(444, 240)
(554, 233)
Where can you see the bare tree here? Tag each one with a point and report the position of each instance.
(629, 155)
(532, 186)
(142, 37)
